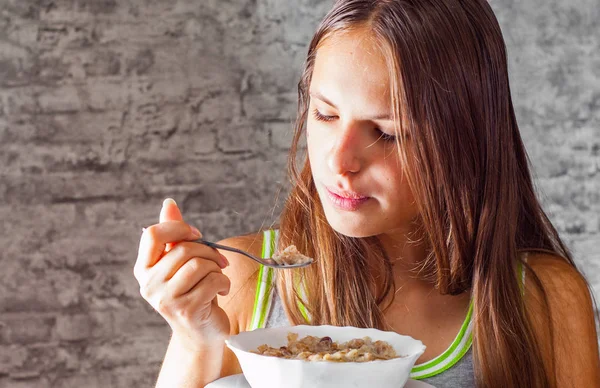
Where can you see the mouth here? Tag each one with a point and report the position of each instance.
(345, 200)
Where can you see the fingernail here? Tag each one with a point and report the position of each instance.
(225, 261)
(195, 232)
(169, 200)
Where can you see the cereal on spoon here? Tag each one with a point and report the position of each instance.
(291, 256)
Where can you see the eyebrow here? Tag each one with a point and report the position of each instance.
(321, 97)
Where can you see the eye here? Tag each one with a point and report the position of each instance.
(385, 136)
(320, 117)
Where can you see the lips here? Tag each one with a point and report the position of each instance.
(345, 200)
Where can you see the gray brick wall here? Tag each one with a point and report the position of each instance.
(108, 107)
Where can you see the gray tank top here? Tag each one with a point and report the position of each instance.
(451, 369)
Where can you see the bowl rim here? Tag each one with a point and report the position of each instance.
(418, 344)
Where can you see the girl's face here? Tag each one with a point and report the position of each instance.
(351, 145)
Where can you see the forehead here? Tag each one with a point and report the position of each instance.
(351, 65)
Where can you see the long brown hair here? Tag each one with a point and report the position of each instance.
(478, 208)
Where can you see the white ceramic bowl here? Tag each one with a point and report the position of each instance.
(272, 372)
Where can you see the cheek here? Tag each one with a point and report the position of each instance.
(314, 143)
(392, 179)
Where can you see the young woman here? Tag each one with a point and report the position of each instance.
(417, 202)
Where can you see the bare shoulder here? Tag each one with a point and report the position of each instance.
(555, 271)
(564, 286)
(562, 310)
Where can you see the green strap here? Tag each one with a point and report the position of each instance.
(451, 355)
(263, 295)
(456, 351)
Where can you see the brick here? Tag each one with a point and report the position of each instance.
(262, 106)
(11, 358)
(208, 32)
(18, 101)
(98, 7)
(24, 290)
(94, 379)
(10, 382)
(31, 294)
(49, 36)
(155, 119)
(68, 357)
(584, 138)
(99, 63)
(100, 156)
(28, 329)
(282, 134)
(244, 137)
(73, 327)
(60, 100)
(62, 188)
(107, 94)
(140, 321)
(23, 129)
(188, 174)
(587, 258)
(12, 73)
(133, 32)
(141, 63)
(113, 95)
(288, 56)
(32, 223)
(135, 376)
(23, 34)
(569, 192)
(571, 222)
(49, 69)
(154, 148)
(127, 352)
(81, 35)
(111, 287)
(215, 198)
(221, 106)
(46, 360)
(82, 127)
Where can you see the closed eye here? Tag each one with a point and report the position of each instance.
(385, 136)
(381, 135)
(321, 117)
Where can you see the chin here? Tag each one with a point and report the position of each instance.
(351, 226)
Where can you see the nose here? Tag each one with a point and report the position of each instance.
(344, 156)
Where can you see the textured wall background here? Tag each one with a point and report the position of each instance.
(107, 107)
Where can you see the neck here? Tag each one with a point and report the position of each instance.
(407, 249)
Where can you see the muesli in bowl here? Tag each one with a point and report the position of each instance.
(269, 370)
(311, 348)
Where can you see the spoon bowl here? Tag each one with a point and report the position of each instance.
(266, 262)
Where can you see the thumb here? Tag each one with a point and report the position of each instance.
(170, 211)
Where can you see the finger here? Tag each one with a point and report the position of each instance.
(170, 212)
(155, 237)
(171, 262)
(192, 272)
(207, 290)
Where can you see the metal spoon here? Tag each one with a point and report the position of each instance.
(267, 262)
